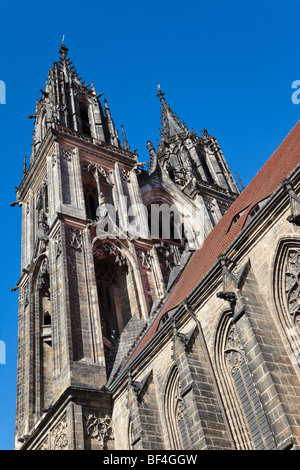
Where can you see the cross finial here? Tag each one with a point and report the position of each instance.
(63, 38)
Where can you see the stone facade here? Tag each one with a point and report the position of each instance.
(122, 343)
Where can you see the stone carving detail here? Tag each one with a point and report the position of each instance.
(26, 295)
(292, 285)
(43, 273)
(53, 160)
(100, 171)
(169, 255)
(43, 227)
(184, 338)
(41, 195)
(210, 206)
(58, 247)
(294, 218)
(84, 137)
(229, 296)
(67, 155)
(42, 222)
(44, 445)
(126, 176)
(107, 249)
(99, 428)
(119, 150)
(107, 174)
(76, 239)
(146, 259)
(233, 350)
(59, 434)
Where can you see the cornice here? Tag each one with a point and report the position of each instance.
(126, 154)
(111, 152)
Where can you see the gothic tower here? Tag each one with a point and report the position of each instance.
(195, 164)
(96, 264)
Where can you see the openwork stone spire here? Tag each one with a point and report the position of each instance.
(192, 161)
(68, 102)
(65, 64)
(171, 125)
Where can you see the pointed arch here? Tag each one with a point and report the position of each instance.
(43, 125)
(118, 293)
(246, 416)
(43, 332)
(286, 284)
(130, 434)
(183, 219)
(286, 291)
(175, 414)
(83, 106)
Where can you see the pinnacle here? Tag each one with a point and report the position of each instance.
(170, 122)
(63, 51)
(65, 63)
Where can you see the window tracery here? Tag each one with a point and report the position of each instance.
(292, 285)
(176, 415)
(286, 291)
(113, 277)
(245, 407)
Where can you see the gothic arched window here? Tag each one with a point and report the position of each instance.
(247, 417)
(43, 305)
(97, 186)
(287, 284)
(165, 222)
(91, 201)
(47, 319)
(287, 292)
(292, 285)
(107, 284)
(175, 412)
(84, 117)
(113, 280)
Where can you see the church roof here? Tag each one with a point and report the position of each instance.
(282, 162)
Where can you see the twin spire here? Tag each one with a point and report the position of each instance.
(170, 122)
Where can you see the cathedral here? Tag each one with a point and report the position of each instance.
(159, 303)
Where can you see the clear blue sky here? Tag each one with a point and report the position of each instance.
(227, 66)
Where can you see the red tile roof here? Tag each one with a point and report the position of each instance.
(268, 179)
